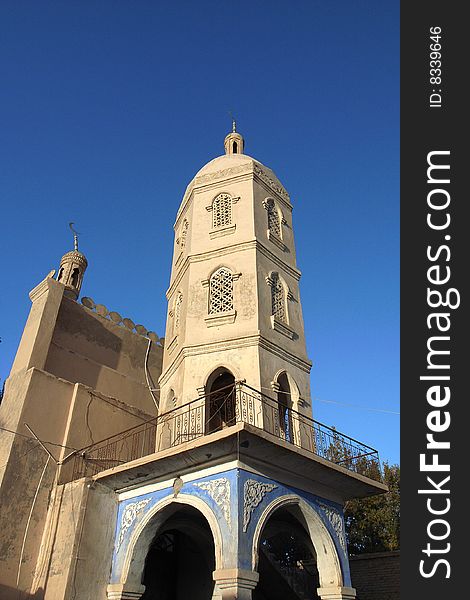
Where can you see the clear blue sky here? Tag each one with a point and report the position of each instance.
(107, 110)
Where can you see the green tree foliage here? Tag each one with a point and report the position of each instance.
(373, 524)
(350, 456)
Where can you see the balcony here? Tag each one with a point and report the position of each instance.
(237, 404)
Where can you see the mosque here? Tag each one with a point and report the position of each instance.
(184, 467)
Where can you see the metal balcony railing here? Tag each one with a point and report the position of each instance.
(226, 407)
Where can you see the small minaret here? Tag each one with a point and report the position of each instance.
(234, 143)
(72, 268)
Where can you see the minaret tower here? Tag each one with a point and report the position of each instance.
(234, 311)
(242, 482)
(72, 268)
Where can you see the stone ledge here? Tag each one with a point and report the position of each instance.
(283, 328)
(276, 241)
(221, 318)
(122, 591)
(172, 345)
(221, 231)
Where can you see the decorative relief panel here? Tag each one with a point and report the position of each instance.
(271, 182)
(253, 494)
(336, 520)
(184, 234)
(219, 491)
(177, 319)
(223, 174)
(129, 516)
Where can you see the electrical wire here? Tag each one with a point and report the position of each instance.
(380, 410)
(147, 377)
(114, 405)
(30, 437)
(29, 520)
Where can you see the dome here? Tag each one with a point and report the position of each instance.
(227, 161)
(74, 255)
(230, 163)
(234, 156)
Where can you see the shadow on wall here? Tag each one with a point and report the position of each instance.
(93, 350)
(92, 343)
(9, 593)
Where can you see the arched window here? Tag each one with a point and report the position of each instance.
(177, 311)
(184, 233)
(221, 291)
(220, 400)
(284, 405)
(75, 275)
(171, 400)
(278, 299)
(222, 210)
(274, 219)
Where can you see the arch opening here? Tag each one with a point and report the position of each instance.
(75, 277)
(181, 557)
(284, 406)
(220, 400)
(287, 560)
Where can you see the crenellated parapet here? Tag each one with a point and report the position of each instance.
(115, 317)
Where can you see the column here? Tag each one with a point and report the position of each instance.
(336, 593)
(235, 584)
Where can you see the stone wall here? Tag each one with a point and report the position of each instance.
(90, 349)
(78, 377)
(376, 576)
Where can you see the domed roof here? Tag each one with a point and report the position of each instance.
(74, 255)
(227, 161)
(231, 163)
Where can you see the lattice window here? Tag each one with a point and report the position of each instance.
(222, 210)
(274, 220)
(184, 233)
(177, 311)
(278, 299)
(221, 291)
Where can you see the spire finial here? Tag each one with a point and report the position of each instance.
(233, 142)
(234, 123)
(75, 236)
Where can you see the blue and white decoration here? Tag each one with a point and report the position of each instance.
(237, 499)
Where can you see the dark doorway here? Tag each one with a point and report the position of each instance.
(220, 402)
(284, 403)
(287, 561)
(181, 559)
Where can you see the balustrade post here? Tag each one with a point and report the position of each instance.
(238, 402)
